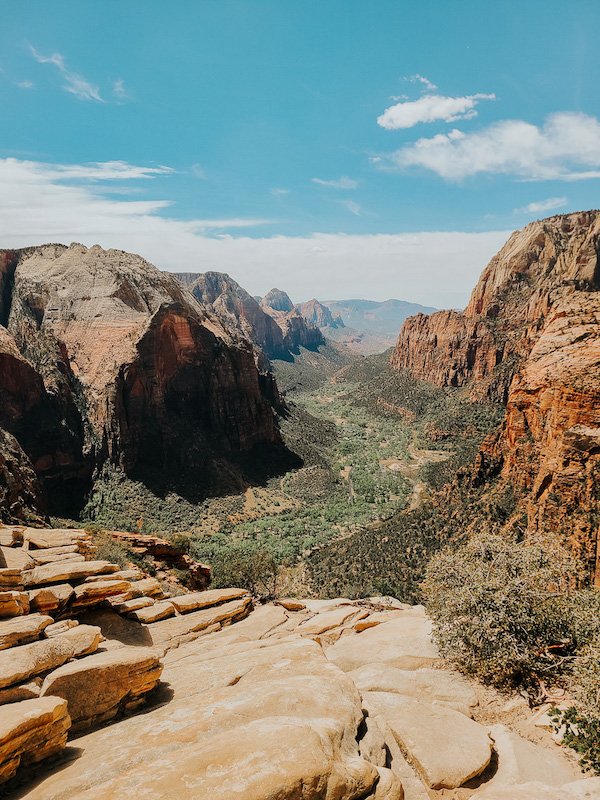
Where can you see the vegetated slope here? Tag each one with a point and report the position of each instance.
(391, 557)
(530, 337)
(111, 363)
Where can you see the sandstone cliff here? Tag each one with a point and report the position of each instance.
(240, 310)
(320, 316)
(105, 358)
(297, 332)
(530, 336)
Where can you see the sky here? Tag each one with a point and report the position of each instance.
(333, 148)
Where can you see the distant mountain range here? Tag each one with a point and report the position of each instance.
(368, 326)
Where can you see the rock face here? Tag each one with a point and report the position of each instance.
(239, 310)
(103, 358)
(297, 332)
(530, 337)
(320, 316)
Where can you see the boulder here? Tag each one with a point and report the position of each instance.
(101, 686)
(13, 604)
(389, 786)
(148, 587)
(20, 663)
(291, 604)
(157, 611)
(31, 731)
(21, 630)
(196, 600)
(446, 748)
(427, 685)
(66, 571)
(404, 643)
(50, 599)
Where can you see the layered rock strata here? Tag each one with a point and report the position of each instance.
(530, 337)
(106, 359)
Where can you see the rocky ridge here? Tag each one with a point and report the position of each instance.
(315, 313)
(105, 359)
(298, 699)
(297, 332)
(530, 337)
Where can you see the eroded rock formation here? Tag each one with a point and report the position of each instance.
(106, 359)
(320, 316)
(297, 332)
(530, 337)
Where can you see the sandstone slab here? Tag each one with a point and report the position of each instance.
(15, 558)
(23, 691)
(196, 600)
(20, 663)
(62, 626)
(67, 571)
(125, 606)
(31, 731)
(120, 575)
(446, 747)
(329, 620)
(103, 685)
(91, 594)
(50, 599)
(170, 632)
(22, 630)
(148, 587)
(11, 537)
(427, 685)
(162, 609)
(40, 538)
(404, 643)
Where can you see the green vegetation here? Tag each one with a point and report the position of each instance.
(248, 566)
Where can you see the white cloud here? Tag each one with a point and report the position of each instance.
(430, 108)
(25, 84)
(352, 207)
(566, 147)
(429, 86)
(74, 83)
(42, 203)
(339, 183)
(119, 90)
(277, 191)
(540, 206)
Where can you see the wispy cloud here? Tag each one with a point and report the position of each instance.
(39, 204)
(431, 108)
(119, 90)
(198, 171)
(277, 191)
(25, 84)
(75, 84)
(352, 207)
(541, 206)
(566, 147)
(339, 183)
(429, 86)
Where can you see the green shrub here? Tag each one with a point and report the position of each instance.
(506, 611)
(107, 549)
(248, 566)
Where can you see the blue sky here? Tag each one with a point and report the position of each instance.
(335, 148)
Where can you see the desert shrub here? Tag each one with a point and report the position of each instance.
(508, 611)
(182, 541)
(107, 549)
(249, 566)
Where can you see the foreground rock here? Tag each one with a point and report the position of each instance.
(100, 687)
(30, 732)
(265, 703)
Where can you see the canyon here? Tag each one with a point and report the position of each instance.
(530, 338)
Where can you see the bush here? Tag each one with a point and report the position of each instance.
(248, 566)
(508, 612)
(107, 549)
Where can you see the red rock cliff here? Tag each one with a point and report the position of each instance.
(530, 336)
(138, 371)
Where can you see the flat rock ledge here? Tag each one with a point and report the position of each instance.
(31, 731)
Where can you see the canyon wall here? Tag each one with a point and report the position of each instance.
(106, 359)
(530, 338)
